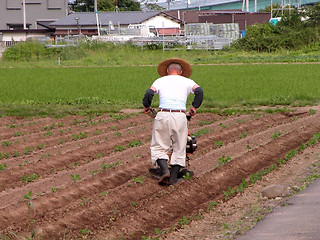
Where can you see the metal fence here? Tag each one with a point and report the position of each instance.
(207, 36)
(211, 36)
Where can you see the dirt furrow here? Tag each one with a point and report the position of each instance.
(190, 197)
(115, 188)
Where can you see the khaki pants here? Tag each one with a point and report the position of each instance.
(169, 133)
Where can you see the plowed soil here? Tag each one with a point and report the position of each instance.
(89, 176)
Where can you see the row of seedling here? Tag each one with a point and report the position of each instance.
(258, 176)
(120, 148)
(230, 192)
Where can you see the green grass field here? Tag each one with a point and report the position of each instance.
(43, 91)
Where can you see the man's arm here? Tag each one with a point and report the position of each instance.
(198, 98)
(148, 96)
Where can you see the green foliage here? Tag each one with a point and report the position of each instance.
(312, 111)
(135, 143)
(85, 232)
(4, 155)
(6, 143)
(106, 166)
(3, 167)
(276, 135)
(29, 178)
(291, 154)
(229, 194)
(138, 179)
(259, 37)
(75, 178)
(292, 32)
(212, 205)
(204, 122)
(315, 138)
(223, 160)
(219, 143)
(243, 185)
(154, 7)
(187, 176)
(25, 52)
(258, 176)
(202, 131)
(313, 13)
(106, 5)
(183, 221)
(119, 148)
(243, 135)
(96, 90)
(33, 51)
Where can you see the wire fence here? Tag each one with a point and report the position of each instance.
(195, 36)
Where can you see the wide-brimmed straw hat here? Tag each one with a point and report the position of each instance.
(186, 67)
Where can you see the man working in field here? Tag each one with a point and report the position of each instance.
(170, 124)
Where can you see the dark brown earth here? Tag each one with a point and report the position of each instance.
(89, 176)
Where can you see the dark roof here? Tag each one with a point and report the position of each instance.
(186, 16)
(122, 18)
(45, 24)
(193, 16)
(216, 12)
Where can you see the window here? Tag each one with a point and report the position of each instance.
(33, 2)
(55, 4)
(14, 4)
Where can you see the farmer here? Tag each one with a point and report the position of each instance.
(170, 123)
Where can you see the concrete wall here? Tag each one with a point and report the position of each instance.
(161, 22)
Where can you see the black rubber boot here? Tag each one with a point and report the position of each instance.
(165, 175)
(155, 172)
(175, 169)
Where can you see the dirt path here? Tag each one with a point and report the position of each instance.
(89, 176)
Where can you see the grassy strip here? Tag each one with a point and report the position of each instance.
(58, 91)
(108, 54)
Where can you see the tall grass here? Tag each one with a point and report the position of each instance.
(103, 89)
(94, 54)
(267, 84)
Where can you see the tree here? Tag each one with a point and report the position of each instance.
(154, 7)
(83, 6)
(274, 6)
(106, 5)
(313, 14)
(128, 5)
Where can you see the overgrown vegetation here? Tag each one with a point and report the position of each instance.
(298, 29)
(295, 38)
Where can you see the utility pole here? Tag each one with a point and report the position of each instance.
(24, 14)
(78, 26)
(95, 6)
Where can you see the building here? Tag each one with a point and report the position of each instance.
(245, 5)
(19, 21)
(87, 23)
(243, 18)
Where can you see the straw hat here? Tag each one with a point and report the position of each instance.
(186, 67)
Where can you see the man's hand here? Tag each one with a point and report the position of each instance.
(147, 110)
(192, 111)
(150, 111)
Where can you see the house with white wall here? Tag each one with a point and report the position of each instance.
(88, 23)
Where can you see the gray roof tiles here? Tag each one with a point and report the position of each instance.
(89, 18)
